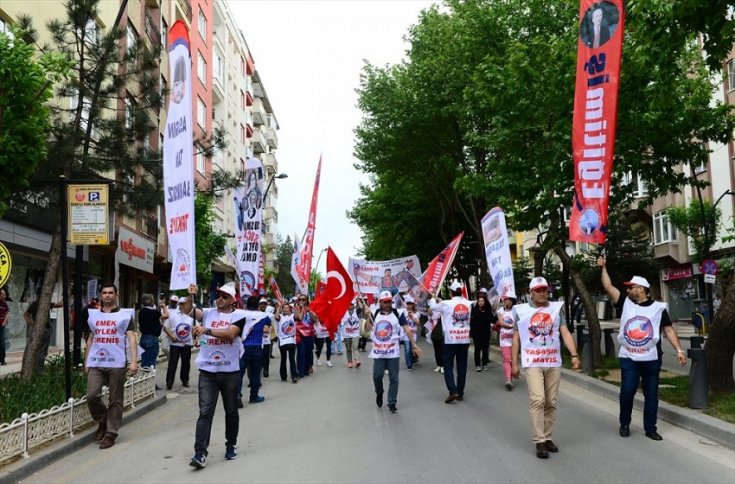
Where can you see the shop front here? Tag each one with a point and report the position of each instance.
(682, 291)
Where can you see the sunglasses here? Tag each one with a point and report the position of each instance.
(224, 296)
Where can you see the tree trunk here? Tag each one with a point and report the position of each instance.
(721, 344)
(29, 366)
(593, 323)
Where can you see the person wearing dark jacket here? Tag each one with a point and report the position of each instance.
(482, 319)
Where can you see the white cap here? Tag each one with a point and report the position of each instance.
(174, 298)
(509, 295)
(385, 295)
(482, 289)
(537, 282)
(638, 281)
(455, 286)
(263, 300)
(229, 290)
(182, 300)
(408, 299)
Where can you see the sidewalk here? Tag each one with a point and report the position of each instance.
(14, 360)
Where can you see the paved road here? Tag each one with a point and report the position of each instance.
(327, 429)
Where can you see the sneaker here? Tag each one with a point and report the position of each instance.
(392, 408)
(294, 380)
(185, 384)
(231, 453)
(441, 370)
(357, 364)
(509, 385)
(477, 368)
(436, 370)
(199, 460)
(258, 399)
(484, 367)
(318, 363)
(349, 364)
(409, 368)
(379, 400)
(239, 403)
(329, 364)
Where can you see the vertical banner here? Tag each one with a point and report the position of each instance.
(302, 284)
(261, 272)
(599, 53)
(438, 268)
(178, 162)
(248, 220)
(497, 251)
(303, 268)
(275, 289)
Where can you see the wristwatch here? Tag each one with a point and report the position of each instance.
(208, 332)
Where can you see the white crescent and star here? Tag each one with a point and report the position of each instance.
(341, 280)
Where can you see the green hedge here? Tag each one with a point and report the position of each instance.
(44, 390)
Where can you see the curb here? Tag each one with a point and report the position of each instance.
(709, 427)
(23, 468)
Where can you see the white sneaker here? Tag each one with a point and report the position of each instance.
(329, 364)
(442, 370)
(436, 370)
(318, 363)
(477, 368)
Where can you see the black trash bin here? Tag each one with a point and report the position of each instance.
(609, 344)
(698, 378)
(695, 342)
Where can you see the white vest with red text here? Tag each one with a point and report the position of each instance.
(455, 320)
(181, 325)
(108, 338)
(505, 335)
(538, 329)
(640, 330)
(350, 325)
(321, 330)
(386, 336)
(219, 355)
(286, 330)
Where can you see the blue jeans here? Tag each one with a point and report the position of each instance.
(210, 386)
(408, 354)
(631, 372)
(305, 355)
(252, 361)
(151, 346)
(449, 353)
(379, 367)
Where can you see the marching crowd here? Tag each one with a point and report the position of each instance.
(234, 342)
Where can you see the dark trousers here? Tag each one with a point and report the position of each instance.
(438, 345)
(177, 353)
(362, 344)
(2, 344)
(266, 362)
(210, 386)
(289, 350)
(450, 353)
(251, 362)
(482, 349)
(320, 343)
(631, 372)
(380, 365)
(305, 355)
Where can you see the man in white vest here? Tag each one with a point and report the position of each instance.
(386, 351)
(220, 339)
(105, 361)
(455, 314)
(536, 335)
(641, 322)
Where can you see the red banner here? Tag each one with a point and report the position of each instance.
(439, 267)
(599, 53)
(275, 289)
(303, 267)
(332, 302)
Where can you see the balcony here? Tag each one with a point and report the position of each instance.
(154, 33)
(258, 90)
(271, 137)
(270, 214)
(153, 3)
(185, 7)
(259, 114)
(260, 145)
(270, 162)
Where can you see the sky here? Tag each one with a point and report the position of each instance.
(309, 55)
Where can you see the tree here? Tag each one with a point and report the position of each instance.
(483, 107)
(209, 244)
(284, 253)
(25, 87)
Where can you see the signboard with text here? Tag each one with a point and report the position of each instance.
(88, 214)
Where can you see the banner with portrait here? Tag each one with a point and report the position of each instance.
(599, 53)
(497, 251)
(371, 277)
(178, 162)
(248, 203)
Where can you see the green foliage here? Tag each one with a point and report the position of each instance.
(209, 244)
(700, 222)
(284, 253)
(44, 390)
(522, 273)
(25, 87)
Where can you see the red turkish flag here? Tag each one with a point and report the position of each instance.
(332, 303)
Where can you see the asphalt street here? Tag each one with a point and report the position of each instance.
(327, 429)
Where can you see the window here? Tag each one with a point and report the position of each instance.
(242, 100)
(731, 74)
(5, 27)
(242, 66)
(201, 162)
(243, 134)
(90, 32)
(202, 25)
(219, 67)
(132, 37)
(164, 33)
(663, 231)
(202, 68)
(640, 187)
(129, 113)
(86, 104)
(201, 113)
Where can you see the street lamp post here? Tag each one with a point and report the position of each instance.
(280, 177)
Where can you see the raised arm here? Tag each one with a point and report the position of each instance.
(611, 290)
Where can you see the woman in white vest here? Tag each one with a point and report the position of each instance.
(456, 325)
(351, 333)
(178, 327)
(105, 361)
(505, 336)
(412, 317)
(386, 324)
(286, 331)
(219, 368)
(641, 322)
(537, 335)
